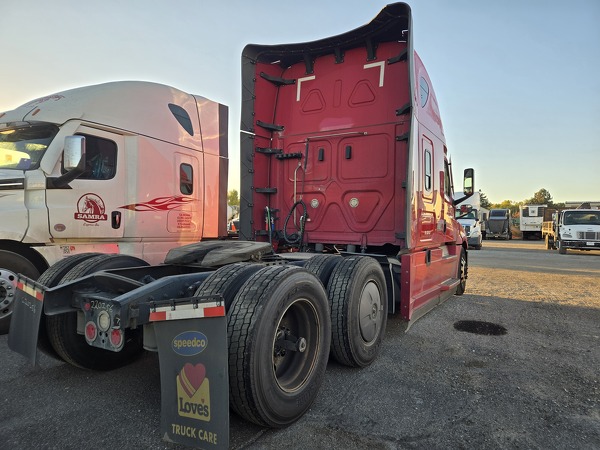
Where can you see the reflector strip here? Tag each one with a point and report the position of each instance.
(38, 295)
(187, 311)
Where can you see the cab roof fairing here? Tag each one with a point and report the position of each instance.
(392, 24)
(130, 106)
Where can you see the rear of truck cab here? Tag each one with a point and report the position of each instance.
(343, 150)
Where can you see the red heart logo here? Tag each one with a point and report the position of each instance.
(191, 377)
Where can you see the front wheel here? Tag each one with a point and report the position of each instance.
(462, 273)
(278, 328)
(561, 249)
(11, 264)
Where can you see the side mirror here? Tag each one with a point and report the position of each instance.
(74, 152)
(73, 162)
(468, 181)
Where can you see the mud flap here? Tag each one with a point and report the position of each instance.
(192, 350)
(26, 316)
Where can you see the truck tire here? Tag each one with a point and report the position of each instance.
(271, 384)
(463, 269)
(322, 266)
(53, 277)
(62, 328)
(11, 264)
(227, 281)
(562, 250)
(358, 299)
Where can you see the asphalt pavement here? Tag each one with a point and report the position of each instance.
(536, 386)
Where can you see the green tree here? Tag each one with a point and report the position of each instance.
(541, 197)
(233, 198)
(508, 204)
(485, 202)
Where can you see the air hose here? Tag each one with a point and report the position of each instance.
(295, 238)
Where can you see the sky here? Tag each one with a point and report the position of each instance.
(517, 81)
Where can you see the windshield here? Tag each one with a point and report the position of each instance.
(582, 218)
(22, 147)
(466, 215)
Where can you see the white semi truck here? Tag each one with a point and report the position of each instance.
(153, 158)
(472, 217)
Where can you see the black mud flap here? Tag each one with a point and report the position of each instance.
(193, 355)
(26, 316)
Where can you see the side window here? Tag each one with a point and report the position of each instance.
(186, 179)
(423, 91)
(100, 158)
(428, 170)
(182, 117)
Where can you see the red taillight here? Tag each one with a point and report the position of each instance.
(91, 331)
(116, 338)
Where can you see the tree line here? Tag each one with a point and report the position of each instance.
(541, 197)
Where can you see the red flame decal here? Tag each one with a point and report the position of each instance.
(159, 204)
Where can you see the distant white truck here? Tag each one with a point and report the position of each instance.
(472, 217)
(576, 229)
(531, 219)
(131, 168)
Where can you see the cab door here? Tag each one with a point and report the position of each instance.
(88, 208)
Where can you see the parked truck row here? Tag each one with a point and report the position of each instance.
(346, 215)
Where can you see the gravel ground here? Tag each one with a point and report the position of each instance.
(433, 387)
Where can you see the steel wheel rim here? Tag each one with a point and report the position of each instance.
(292, 369)
(7, 291)
(370, 317)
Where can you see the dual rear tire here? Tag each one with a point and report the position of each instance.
(283, 323)
(58, 333)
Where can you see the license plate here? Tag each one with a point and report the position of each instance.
(589, 243)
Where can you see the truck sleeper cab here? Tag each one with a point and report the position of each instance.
(343, 149)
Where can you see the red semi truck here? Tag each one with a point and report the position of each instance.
(346, 215)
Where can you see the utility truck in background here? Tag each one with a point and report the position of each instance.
(346, 215)
(129, 168)
(531, 219)
(472, 217)
(498, 224)
(576, 229)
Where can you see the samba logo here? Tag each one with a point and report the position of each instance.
(193, 392)
(90, 209)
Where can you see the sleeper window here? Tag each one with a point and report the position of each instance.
(186, 182)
